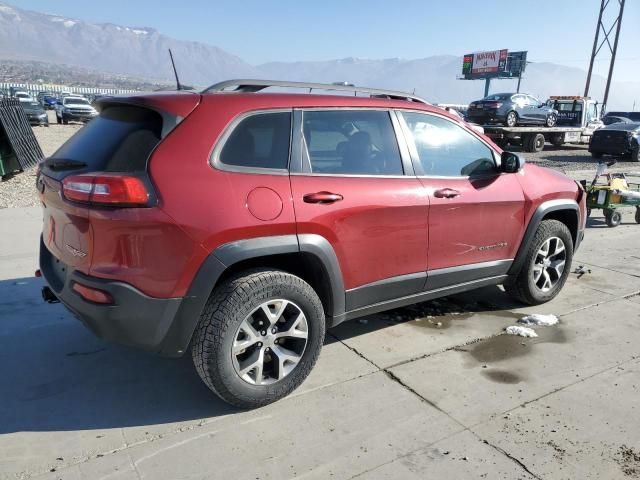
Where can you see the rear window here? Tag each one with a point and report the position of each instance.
(498, 96)
(120, 139)
(259, 141)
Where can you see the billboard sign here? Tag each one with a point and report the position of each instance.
(489, 62)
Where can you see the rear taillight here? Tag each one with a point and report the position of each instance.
(494, 105)
(106, 189)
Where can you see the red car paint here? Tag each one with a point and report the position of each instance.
(382, 228)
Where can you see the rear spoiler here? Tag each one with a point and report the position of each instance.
(173, 107)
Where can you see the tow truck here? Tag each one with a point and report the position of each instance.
(578, 118)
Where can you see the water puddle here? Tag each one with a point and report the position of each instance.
(505, 347)
(503, 376)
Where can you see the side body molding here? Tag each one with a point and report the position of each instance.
(180, 332)
(544, 209)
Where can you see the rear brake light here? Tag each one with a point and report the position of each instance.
(106, 189)
(494, 105)
(93, 294)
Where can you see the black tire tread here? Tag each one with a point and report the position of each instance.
(214, 324)
(519, 288)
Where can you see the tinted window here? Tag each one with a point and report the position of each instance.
(446, 149)
(119, 140)
(259, 141)
(75, 101)
(351, 142)
(498, 96)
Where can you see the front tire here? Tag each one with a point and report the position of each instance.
(546, 267)
(551, 121)
(258, 338)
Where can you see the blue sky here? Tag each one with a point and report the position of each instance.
(559, 31)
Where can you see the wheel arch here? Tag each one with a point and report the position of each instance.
(311, 257)
(564, 210)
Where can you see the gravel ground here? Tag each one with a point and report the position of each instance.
(19, 191)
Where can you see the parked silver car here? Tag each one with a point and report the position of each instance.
(512, 109)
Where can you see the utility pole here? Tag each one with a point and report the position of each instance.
(487, 83)
(598, 46)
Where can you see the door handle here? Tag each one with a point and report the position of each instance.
(322, 197)
(446, 193)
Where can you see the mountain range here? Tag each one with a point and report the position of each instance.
(141, 52)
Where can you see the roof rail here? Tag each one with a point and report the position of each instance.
(252, 86)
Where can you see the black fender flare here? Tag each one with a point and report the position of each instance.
(544, 209)
(184, 324)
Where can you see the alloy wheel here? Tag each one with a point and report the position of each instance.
(548, 264)
(270, 342)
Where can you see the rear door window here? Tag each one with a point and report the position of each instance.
(351, 142)
(120, 139)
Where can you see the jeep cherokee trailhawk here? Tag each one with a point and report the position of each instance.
(241, 223)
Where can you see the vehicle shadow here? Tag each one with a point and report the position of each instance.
(440, 312)
(57, 376)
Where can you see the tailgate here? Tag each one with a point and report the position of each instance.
(120, 140)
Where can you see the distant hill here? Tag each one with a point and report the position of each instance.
(140, 53)
(25, 71)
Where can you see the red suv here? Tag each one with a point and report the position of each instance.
(243, 223)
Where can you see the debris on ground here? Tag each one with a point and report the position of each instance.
(521, 331)
(539, 319)
(580, 270)
(629, 461)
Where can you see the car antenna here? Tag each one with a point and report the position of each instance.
(175, 72)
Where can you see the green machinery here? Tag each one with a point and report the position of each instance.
(616, 192)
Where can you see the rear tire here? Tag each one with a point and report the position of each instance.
(511, 120)
(557, 140)
(58, 120)
(634, 156)
(637, 215)
(237, 360)
(530, 285)
(533, 142)
(612, 217)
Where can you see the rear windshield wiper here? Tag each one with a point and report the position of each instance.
(64, 164)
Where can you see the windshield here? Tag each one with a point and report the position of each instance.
(75, 101)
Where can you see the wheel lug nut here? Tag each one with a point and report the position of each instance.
(267, 349)
(274, 330)
(264, 332)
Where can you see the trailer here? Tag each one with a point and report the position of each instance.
(578, 118)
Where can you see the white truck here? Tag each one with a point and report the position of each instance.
(578, 117)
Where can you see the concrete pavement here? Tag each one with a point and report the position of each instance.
(429, 391)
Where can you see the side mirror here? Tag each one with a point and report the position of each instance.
(511, 162)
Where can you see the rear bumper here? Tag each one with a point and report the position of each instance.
(485, 116)
(134, 318)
